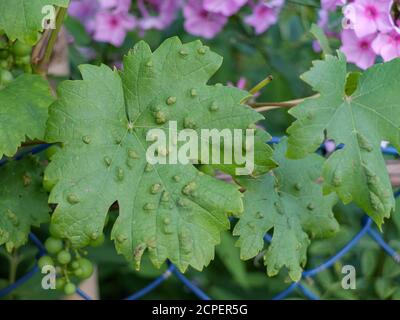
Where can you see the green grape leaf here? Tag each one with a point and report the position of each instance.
(22, 19)
(291, 203)
(23, 111)
(229, 256)
(172, 210)
(23, 202)
(359, 121)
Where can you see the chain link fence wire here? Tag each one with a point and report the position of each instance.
(367, 229)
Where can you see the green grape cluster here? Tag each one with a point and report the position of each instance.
(15, 58)
(70, 263)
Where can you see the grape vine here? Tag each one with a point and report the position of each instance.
(98, 128)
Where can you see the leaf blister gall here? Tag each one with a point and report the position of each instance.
(123, 119)
(357, 128)
(285, 211)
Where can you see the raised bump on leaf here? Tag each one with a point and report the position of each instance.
(272, 204)
(359, 121)
(108, 105)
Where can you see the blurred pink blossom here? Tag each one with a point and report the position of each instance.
(369, 16)
(387, 45)
(264, 15)
(84, 11)
(106, 20)
(331, 5)
(201, 22)
(241, 84)
(225, 7)
(112, 27)
(119, 5)
(358, 50)
(157, 14)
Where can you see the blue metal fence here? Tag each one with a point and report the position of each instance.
(366, 230)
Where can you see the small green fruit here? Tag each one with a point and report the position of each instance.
(78, 272)
(21, 49)
(60, 283)
(53, 245)
(64, 257)
(45, 261)
(87, 268)
(69, 288)
(22, 61)
(6, 77)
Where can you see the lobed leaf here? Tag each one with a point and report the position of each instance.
(289, 202)
(23, 111)
(173, 211)
(361, 120)
(23, 202)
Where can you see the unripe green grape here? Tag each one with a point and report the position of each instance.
(87, 268)
(53, 245)
(78, 272)
(60, 283)
(21, 49)
(22, 61)
(69, 288)
(45, 261)
(75, 265)
(6, 77)
(98, 242)
(64, 257)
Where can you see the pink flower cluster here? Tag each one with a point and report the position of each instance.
(106, 20)
(206, 18)
(370, 29)
(110, 20)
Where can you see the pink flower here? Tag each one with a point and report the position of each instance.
(323, 22)
(369, 16)
(387, 45)
(358, 50)
(241, 84)
(201, 22)
(331, 5)
(225, 7)
(165, 13)
(119, 5)
(264, 15)
(323, 19)
(112, 27)
(84, 11)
